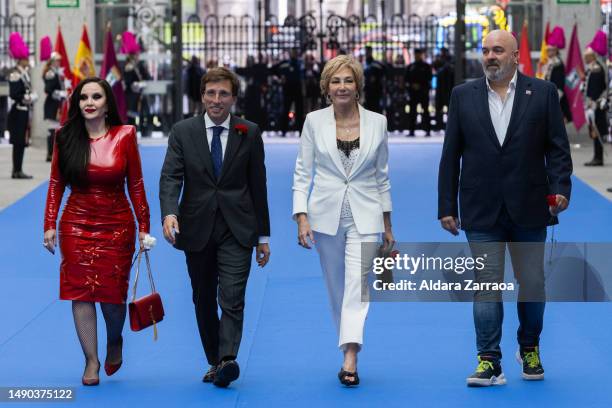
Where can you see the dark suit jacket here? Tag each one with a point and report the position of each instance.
(240, 193)
(534, 160)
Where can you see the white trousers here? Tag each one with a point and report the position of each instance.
(345, 272)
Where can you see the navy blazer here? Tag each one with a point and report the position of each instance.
(533, 161)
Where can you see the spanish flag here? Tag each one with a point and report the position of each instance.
(83, 62)
(543, 54)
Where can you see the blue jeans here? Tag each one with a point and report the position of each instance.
(528, 264)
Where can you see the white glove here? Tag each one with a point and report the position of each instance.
(33, 97)
(602, 104)
(149, 241)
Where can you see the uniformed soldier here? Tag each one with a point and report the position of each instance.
(596, 95)
(445, 80)
(20, 91)
(418, 78)
(374, 76)
(55, 89)
(134, 75)
(555, 69)
(397, 95)
(291, 74)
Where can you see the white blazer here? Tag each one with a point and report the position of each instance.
(318, 163)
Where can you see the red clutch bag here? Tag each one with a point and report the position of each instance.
(147, 310)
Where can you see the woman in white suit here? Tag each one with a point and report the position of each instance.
(343, 156)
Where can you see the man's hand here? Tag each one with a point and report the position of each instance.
(262, 254)
(562, 204)
(171, 228)
(451, 224)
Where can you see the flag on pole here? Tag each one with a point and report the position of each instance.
(111, 72)
(60, 48)
(525, 53)
(83, 62)
(543, 55)
(574, 74)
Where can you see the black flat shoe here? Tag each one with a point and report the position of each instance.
(227, 372)
(594, 162)
(20, 175)
(345, 377)
(210, 374)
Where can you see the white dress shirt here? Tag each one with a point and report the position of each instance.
(224, 135)
(501, 110)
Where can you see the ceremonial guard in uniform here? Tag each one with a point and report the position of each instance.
(374, 73)
(53, 77)
(291, 72)
(20, 91)
(596, 95)
(555, 69)
(445, 80)
(418, 78)
(135, 73)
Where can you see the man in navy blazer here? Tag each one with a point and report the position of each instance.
(505, 154)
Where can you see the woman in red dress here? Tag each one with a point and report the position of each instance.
(95, 156)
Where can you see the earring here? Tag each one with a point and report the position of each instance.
(357, 96)
(328, 99)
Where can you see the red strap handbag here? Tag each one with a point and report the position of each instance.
(147, 310)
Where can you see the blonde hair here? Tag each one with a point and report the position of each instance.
(336, 64)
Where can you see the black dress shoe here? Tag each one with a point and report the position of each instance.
(227, 372)
(609, 190)
(20, 175)
(594, 162)
(210, 374)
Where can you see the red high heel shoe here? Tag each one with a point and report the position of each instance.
(91, 381)
(109, 368)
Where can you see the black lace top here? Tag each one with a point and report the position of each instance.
(347, 146)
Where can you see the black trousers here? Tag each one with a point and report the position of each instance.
(292, 94)
(18, 152)
(219, 274)
(421, 98)
(50, 141)
(601, 122)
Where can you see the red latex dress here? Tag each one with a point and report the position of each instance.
(96, 233)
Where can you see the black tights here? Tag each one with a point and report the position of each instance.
(86, 325)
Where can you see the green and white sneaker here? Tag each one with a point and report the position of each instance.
(487, 373)
(529, 357)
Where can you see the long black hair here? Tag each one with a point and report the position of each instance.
(73, 139)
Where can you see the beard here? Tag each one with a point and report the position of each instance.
(497, 74)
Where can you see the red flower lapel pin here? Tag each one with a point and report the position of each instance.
(242, 129)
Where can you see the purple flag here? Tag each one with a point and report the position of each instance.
(574, 74)
(111, 72)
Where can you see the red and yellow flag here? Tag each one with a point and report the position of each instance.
(83, 62)
(543, 55)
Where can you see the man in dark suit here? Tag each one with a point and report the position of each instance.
(504, 152)
(217, 160)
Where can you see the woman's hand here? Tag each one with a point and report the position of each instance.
(388, 239)
(304, 231)
(50, 240)
(141, 237)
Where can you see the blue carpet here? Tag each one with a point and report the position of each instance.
(415, 354)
